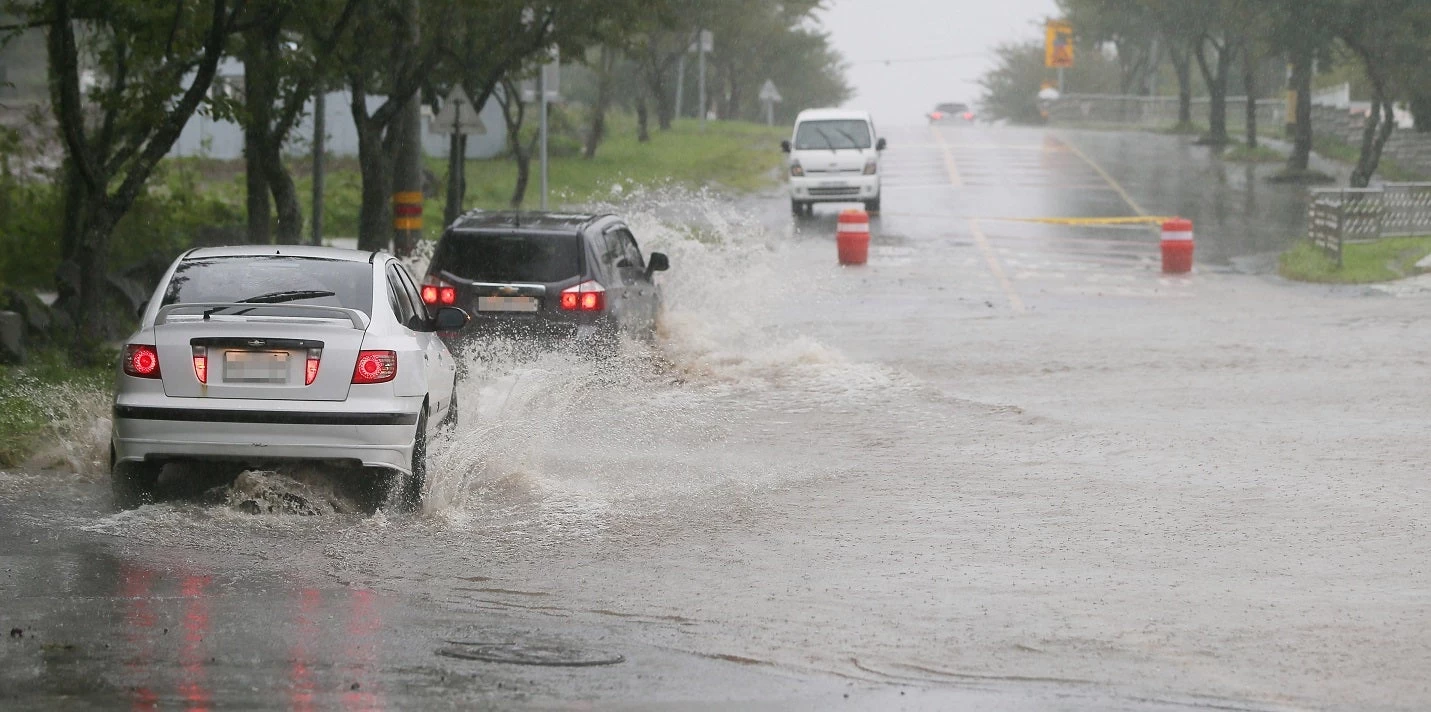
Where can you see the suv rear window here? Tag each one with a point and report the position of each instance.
(832, 134)
(237, 279)
(489, 257)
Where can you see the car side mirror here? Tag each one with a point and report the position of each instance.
(880, 144)
(450, 319)
(657, 262)
(785, 146)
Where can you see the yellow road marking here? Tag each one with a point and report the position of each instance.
(1107, 178)
(987, 250)
(954, 178)
(1140, 220)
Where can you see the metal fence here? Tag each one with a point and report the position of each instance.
(1157, 111)
(1338, 216)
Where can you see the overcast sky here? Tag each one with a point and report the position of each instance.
(902, 92)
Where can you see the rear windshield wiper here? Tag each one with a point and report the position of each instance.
(289, 296)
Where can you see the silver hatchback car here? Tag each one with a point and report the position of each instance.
(264, 354)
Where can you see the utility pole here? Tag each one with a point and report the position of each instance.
(681, 83)
(542, 129)
(407, 166)
(704, 37)
(320, 107)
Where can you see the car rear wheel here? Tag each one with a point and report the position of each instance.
(409, 487)
(133, 483)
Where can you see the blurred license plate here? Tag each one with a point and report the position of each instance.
(255, 366)
(832, 184)
(507, 304)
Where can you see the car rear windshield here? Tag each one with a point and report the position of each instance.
(495, 257)
(832, 134)
(952, 108)
(273, 279)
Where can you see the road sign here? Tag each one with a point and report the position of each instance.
(457, 116)
(1058, 44)
(769, 93)
(707, 41)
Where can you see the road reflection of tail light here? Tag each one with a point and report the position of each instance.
(310, 369)
(436, 291)
(141, 361)
(201, 364)
(589, 296)
(375, 367)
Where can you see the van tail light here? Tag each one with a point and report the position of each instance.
(201, 364)
(435, 292)
(310, 368)
(141, 361)
(589, 296)
(373, 367)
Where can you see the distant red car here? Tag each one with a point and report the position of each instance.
(951, 113)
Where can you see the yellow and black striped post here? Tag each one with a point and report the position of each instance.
(407, 220)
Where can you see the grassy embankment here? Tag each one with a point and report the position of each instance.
(733, 156)
(1381, 261)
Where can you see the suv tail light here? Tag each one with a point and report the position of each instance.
(373, 367)
(435, 291)
(141, 361)
(589, 296)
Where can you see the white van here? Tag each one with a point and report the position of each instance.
(834, 158)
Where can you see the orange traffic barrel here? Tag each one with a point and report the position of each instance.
(853, 237)
(1177, 246)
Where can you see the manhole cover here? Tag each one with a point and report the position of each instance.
(528, 654)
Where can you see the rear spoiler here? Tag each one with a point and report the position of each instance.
(359, 319)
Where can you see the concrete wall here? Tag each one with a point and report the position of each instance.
(1157, 111)
(203, 136)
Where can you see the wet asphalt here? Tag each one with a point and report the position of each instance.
(1007, 464)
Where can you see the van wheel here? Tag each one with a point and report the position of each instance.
(133, 483)
(872, 206)
(798, 208)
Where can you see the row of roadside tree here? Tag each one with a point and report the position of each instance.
(126, 76)
(1386, 42)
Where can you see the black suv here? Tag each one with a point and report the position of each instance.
(547, 276)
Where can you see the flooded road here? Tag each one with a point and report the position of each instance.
(1005, 465)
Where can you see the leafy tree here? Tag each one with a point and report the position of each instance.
(153, 62)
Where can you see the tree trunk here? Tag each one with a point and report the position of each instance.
(260, 91)
(92, 258)
(1182, 67)
(375, 223)
(285, 198)
(643, 129)
(1301, 155)
(597, 130)
(1216, 77)
(1374, 136)
(1249, 86)
(524, 174)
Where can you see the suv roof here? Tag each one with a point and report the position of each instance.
(522, 220)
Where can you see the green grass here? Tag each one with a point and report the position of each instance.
(45, 398)
(733, 156)
(1362, 263)
(1240, 153)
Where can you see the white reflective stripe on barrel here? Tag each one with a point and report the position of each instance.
(858, 227)
(1177, 236)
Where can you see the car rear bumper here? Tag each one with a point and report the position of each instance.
(841, 189)
(263, 431)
